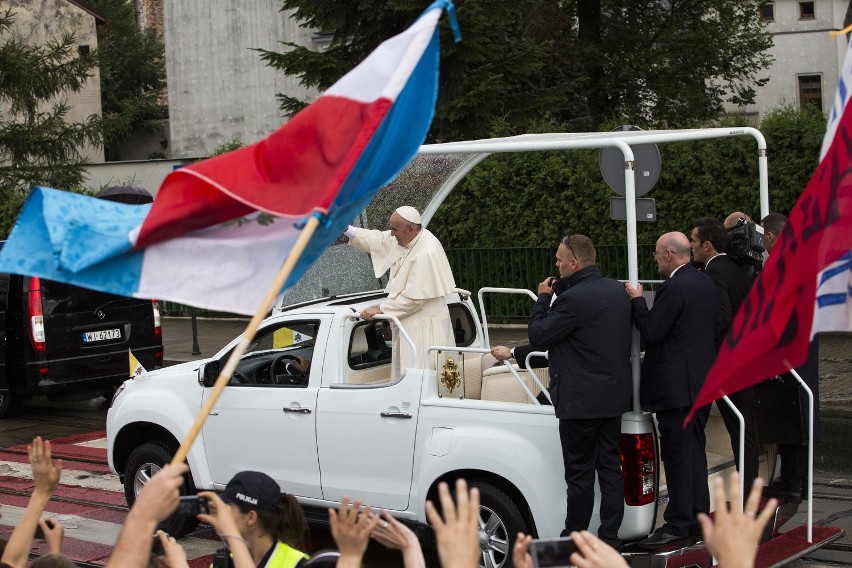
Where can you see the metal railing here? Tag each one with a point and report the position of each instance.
(525, 267)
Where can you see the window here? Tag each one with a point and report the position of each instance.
(806, 11)
(83, 50)
(280, 355)
(767, 12)
(810, 91)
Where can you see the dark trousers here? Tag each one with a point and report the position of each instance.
(794, 465)
(743, 400)
(588, 446)
(685, 461)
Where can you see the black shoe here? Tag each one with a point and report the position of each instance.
(781, 489)
(662, 539)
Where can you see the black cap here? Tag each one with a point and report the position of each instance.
(252, 490)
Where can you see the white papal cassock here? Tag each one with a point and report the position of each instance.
(420, 278)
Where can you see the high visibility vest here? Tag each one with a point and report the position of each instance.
(285, 556)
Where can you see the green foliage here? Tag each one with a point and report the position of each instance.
(39, 145)
(574, 62)
(133, 73)
(533, 199)
(229, 145)
(514, 62)
(671, 63)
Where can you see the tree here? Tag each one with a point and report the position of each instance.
(133, 72)
(575, 62)
(514, 64)
(670, 62)
(38, 144)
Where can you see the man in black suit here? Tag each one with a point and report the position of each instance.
(732, 281)
(587, 333)
(680, 347)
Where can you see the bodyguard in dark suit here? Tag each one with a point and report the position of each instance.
(733, 283)
(680, 347)
(587, 333)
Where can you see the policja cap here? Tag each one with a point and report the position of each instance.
(252, 490)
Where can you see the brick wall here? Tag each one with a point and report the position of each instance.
(150, 13)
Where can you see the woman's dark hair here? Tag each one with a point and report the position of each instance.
(53, 561)
(286, 524)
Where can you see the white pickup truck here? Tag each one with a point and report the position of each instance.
(347, 427)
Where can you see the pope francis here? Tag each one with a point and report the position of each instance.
(420, 278)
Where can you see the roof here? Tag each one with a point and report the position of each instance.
(569, 140)
(98, 18)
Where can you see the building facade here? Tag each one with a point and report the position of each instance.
(38, 21)
(807, 59)
(218, 86)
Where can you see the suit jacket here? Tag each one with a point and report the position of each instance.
(587, 334)
(733, 283)
(680, 339)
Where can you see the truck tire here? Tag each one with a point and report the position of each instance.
(7, 403)
(500, 520)
(144, 462)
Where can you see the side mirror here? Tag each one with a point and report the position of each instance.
(207, 373)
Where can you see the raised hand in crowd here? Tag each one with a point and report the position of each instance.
(734, 534)
(457, 532)
(46, 474)
(521, 552)
(53, 531)
(595, 553)
(174, 556)
(393, 534)
(221, 518)
(157, 500)
(351, 531)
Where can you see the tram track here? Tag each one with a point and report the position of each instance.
(69, 500)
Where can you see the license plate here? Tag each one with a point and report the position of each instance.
(103, 335)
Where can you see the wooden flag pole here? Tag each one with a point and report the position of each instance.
(251, 329)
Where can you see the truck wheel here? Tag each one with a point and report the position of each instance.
(7, 403)
(143, 463)
(500, 520)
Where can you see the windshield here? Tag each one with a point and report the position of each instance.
(343, 270)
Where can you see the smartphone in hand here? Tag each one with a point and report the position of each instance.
(157, 547)
(553, 552)
(39, 533)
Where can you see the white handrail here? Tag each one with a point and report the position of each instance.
(532, 373)
(480, 296)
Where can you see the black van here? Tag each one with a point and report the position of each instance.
(70, 343)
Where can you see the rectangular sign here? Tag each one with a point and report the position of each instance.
(646, 209)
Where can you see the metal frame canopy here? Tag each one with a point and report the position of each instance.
(481, 149)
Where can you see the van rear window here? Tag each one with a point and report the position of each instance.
(59, 298)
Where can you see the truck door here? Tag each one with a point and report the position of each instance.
(266, 416)
(366, 427)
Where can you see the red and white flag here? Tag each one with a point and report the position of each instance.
(806, 285)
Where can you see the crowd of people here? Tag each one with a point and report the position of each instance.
(261, 527)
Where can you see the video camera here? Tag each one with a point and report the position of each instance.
(745, 243)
